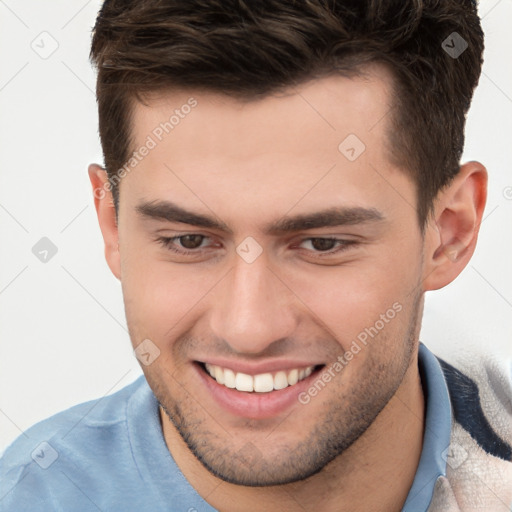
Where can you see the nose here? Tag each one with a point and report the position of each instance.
(253, 307)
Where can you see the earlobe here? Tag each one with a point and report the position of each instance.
(105, 209)
(452, 232)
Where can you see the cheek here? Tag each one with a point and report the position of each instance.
(361, 298)
(162, 298)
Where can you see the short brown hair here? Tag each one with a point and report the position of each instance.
(253, 48)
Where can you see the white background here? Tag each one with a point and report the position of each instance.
(62, 327)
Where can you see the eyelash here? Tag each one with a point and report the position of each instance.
(168, 243)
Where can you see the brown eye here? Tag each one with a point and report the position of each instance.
(323, 244)
(191, 241)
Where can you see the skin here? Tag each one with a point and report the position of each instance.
(356, 445)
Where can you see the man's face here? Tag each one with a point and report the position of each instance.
(258, 290)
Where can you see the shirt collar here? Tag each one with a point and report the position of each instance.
(436, 438)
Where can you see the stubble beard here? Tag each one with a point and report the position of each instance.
(351, 411)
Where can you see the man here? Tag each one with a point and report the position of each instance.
(281, 187)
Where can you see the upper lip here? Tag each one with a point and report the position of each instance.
(259, 368)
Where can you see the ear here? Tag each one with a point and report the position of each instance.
(452, 232)
(104, 204)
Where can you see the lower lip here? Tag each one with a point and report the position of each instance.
(254, 405)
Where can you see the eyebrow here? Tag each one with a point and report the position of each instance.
(331, 217)
(165, 210)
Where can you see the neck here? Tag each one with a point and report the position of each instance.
(375, 473)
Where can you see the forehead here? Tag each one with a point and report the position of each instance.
(276, 149)
(326, 107)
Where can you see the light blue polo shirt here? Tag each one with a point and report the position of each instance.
(110, 455)
(436, 437)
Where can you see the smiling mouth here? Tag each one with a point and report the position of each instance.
(260, 383)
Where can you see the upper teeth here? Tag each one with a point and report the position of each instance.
(261, 383)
